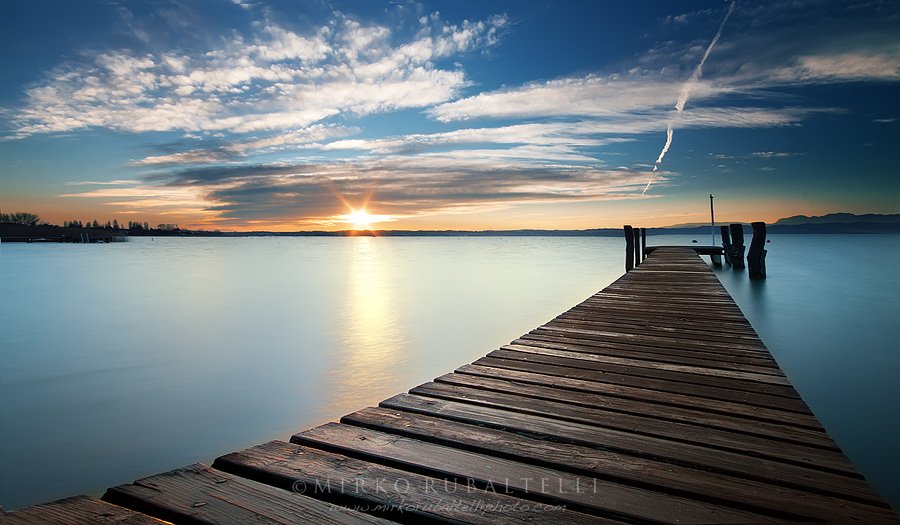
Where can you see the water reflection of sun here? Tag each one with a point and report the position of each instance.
(369, 335)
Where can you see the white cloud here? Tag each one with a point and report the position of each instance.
(773, 154)
(101, 183)
(540, 134)
(158, 199)
(187, 157)
(278, 80)
(295, 138)
(585, 96)
(840, 67)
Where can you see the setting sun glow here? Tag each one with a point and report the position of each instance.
(360, 219)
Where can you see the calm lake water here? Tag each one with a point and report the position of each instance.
(125, 360)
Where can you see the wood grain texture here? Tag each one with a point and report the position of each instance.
(694, 456)
(200, 494)
(523, 479)
(78, 510)
(407, 496)
(718, 488)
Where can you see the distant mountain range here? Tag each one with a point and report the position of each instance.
(831, 218)
(839, 218)
(830, 223)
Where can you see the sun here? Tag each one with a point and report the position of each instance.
(360, 219)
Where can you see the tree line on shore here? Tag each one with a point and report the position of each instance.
(31, 219)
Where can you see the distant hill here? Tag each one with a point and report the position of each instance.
(839, 218)
(830, 223)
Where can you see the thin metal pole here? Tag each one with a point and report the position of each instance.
(712, 219)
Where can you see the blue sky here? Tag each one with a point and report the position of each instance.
(289, 115)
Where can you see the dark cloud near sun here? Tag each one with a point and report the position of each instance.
(402, 188)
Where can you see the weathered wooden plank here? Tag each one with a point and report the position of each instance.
(641, 317)
(722, 309)
(200, 494)
(651, 328)
(647, 285)
(615, 334)
(78, 510)
(665, 355)
(551, 391)
(537, 376)
(598, 347)
(709, 486)
(601, 339)
(733, 374)
(644, 339)
(677, 291)
(705, 331)
(601, 302)
(810, 457)
(525, 480)
(711, 305)
(622, 288)
(699, 328)
(726, 389)
(693, 456)
(620, 291)
(401, 494)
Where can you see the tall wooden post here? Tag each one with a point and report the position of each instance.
(737, 246)
(726, 243)
(643, 243)
(756, 256)
(637, 246)
(629, 247)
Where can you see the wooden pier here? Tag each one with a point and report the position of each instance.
(653, 401)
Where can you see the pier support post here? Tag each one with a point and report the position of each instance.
(726, 243)
(629, 247)
(637, 246)
(643, 243)
(756, 256)
(737, 246)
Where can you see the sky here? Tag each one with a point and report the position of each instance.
(334, 115)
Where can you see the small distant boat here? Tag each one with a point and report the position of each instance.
(694, 241)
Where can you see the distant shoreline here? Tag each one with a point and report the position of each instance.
(45, 233)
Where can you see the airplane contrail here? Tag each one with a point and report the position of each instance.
(685, 94)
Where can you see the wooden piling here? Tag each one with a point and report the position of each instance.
(726, 243)
(737, 246)
(629, 247)
(637, 247)
(756, 256)
(643, 243)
